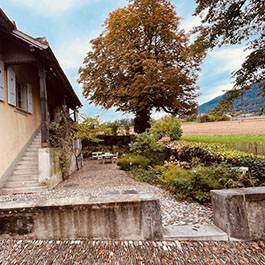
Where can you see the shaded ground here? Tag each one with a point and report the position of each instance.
(95, 180)
(256, 126)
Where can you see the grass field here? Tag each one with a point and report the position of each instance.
(222, 139)
(237, 127)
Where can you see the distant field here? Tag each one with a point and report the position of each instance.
(239, 127)
(222, 139)
(239, 135)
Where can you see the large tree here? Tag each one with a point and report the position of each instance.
(234, 22)
(142, 62)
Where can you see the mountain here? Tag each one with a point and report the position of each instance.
(252, 102)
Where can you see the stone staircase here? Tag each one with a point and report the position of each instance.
(25, 177)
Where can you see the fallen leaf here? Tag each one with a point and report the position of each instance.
(166, 258)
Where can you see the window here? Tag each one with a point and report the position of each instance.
(2, 82)
(19, 92)
(21, 98)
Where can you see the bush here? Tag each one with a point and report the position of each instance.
(129, 161)
(208, 154)
(195, 184)
(146, 145)
(213, 117)
(166, 127)
(148, 176)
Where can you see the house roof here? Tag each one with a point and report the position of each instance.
(41, 44)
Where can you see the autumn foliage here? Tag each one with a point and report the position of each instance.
(142, 62)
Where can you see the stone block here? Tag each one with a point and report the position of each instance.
(240, 212)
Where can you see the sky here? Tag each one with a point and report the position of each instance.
(69, 25)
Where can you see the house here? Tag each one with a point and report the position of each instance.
(33, 87)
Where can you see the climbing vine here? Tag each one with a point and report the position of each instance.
(62, 136)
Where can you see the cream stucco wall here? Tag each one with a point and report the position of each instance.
(16, 127)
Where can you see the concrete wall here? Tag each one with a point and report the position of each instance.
(121, 217)
(16, 127)
(240, 212)
(50, 172)
(49, 167)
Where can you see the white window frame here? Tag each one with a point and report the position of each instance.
(19, 93)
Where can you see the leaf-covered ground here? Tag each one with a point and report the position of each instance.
(130, 252)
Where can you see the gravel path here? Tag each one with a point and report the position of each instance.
(95, 180)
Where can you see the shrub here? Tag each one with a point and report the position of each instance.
(130, 161)
(166, 127)
(146, 145)
(213, 117)
(208, 154)
(195, 185)
(148, 176)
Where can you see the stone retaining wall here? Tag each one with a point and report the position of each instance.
(121, 217)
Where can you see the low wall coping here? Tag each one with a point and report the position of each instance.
(74, 201)
(249, 194)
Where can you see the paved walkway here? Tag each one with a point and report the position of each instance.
(95, 179)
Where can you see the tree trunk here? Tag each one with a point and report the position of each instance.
(141, 121)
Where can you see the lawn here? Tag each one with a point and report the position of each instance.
(222, 139)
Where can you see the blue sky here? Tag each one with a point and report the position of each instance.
(69, 25)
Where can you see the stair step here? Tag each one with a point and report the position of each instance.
(23, 177)
(26, 172)
(35, 145)
(23, 190)
(21, 184)
(32, 150)
(26, 167)
(32, 162)
(29, 160)
(27, 156)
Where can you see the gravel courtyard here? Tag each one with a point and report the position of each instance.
(96, 179)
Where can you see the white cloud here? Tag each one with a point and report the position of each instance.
(71, 54)
(220, 90)
(190, 22)
(49, 7)
(229, 59)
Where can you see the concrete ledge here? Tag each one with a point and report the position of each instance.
(121, 217)
(201, 233)
(240, 212)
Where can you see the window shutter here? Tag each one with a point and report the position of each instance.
(29, 93)
(2, 82)
(11, 77)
